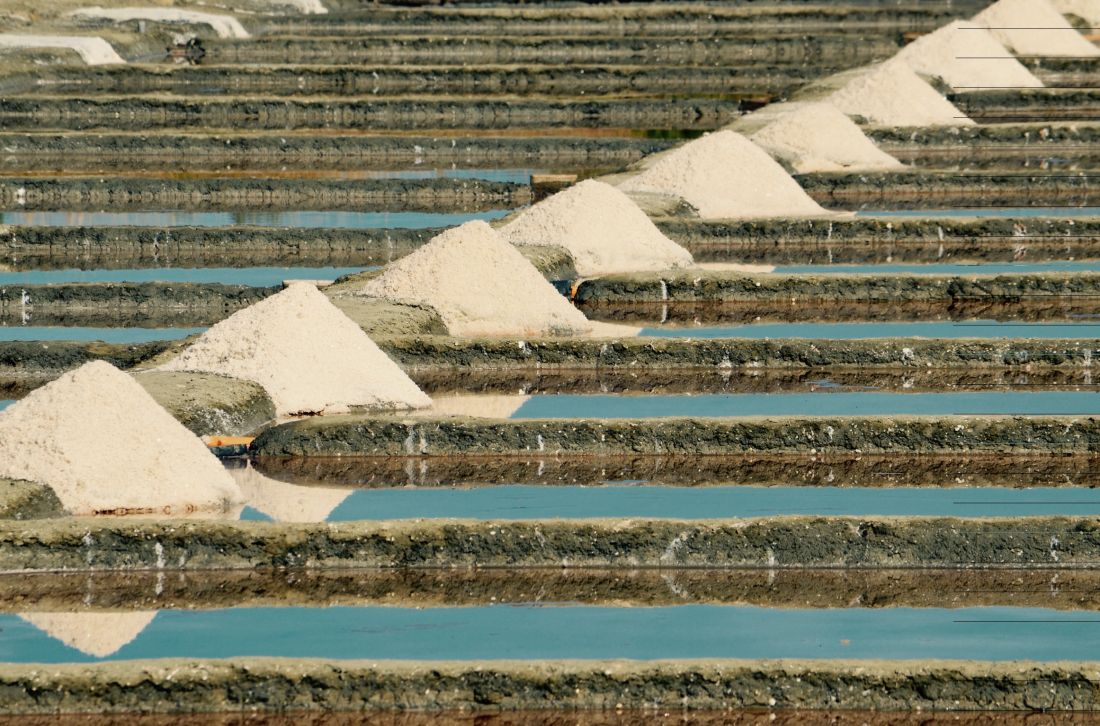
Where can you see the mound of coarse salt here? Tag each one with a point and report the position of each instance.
(95, 634)
(94, 51)
(103, 445)
(1034, 28)
(965, 55)
(819, 137)
(602, 228)
(480, 285)
(287, 502)
(726, 176)
(308, 356)
(225, 26)
(1087, 10)
(892, 94)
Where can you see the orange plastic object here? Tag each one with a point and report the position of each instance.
(213, 441)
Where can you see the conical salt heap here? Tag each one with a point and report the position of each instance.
(1034, 28)
(965, 55)
(602, 229)
(308, 356)
(287, 502)
(819, 137)
(104, 445)
(480, 285)
(1087, 10)
(892, 94)
(726, 176)
(95, 634)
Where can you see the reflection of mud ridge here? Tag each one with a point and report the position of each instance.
(92, 594)
(1050, 308)
(696, 380)
(784, 470)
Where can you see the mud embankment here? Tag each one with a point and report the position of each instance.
(1024, 105)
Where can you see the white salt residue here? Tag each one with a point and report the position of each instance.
(480, 285)
(1034, 28)
(892, 94)
(602, 228)
(287, 502)
(966, 55)
(103, 444)
(94, 51)
(726, 176)
(308, 356)
(226, 26)
(1087, 10)
(95, 634)
(819, 137)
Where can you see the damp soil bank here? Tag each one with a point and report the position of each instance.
(1030, 105)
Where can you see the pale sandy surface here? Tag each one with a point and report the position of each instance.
(1088, 10)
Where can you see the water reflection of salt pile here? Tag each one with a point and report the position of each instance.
(287, 502)
(94, 634)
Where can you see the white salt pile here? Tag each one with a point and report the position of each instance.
(95, 634)
(892, 94)
(726, 176)
(1034, 28)
(602, 228)
(308, 356)
(819, 137)
(104, 445)
(225, 26)
(480, 285)
(287, 502)
(965, 55)
(1087, 10)
(93, 51)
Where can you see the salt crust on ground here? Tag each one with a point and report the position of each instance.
(819, 137)
(226, 26)
(965, 55)
(103, 444)
(1034, 28)
(287, 502)
(726, 176)
(95, 634)
(480, 285)
(308, 356)
(94, 51)
(892, 94)
(1087, 10)
(602, 229)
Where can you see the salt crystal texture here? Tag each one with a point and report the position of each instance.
(1034, 28)
(819, 137)
(308, 356)
(225, 26)
(103, 445)
(602, 229)
(95, 634)
(480, 285)
(1087, 10)
(93, 51)
(965, 55)
(726, 176)
(892, 94)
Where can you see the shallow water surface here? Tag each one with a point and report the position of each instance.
(856, 331)
(985, 212)
(984, 268)
(532, 632)
(253, 276)
(5, 404)
(299, 219)
(107, 335)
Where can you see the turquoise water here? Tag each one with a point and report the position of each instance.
(5, 404)
(107, 335)
(827, 402)
(1003, 268)
(254, 276)
(614, 501)
(985, 212)
(855, 331)
(534, 632)
(301, 220)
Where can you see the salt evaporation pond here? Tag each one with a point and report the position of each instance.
(253, 276)
(984, 212)
(106, 335)
(295, 219)
(862, 330)
(1004, 268)
(615, 500)
(586, 632)
(5, 404)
